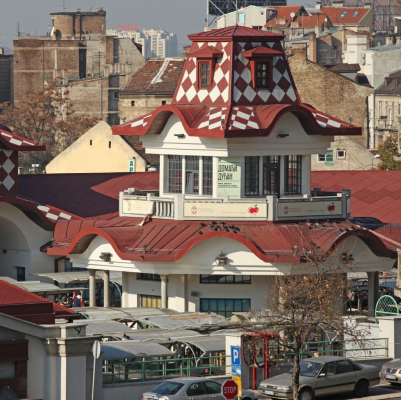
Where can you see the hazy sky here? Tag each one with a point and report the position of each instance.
(178, 16)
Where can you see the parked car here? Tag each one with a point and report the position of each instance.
(391, 371)
(192, 388)
(326, 375)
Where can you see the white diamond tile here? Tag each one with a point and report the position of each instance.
(8, 166)
(249, 93)
(8, 182)
(191, 93)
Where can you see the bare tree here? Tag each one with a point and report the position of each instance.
(305, 303)
(45, 117)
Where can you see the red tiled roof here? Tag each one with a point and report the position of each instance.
(334, 13)
(84, 195)
(311, 21)
(156, 76)
(234, 32)
(216, 122)
(15, 142)
(373, 193)
(283, 17)
(168, 240)
(13, 295)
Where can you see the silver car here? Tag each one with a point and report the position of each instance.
(191, 389)
(391, 371)
(325, 375)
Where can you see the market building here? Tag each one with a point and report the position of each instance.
(234, 199)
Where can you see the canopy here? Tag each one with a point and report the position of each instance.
(132, 349)
(39, 288)
(207, 344)
(183, 320)
(105, 328)
(122, 314)
(81, 277)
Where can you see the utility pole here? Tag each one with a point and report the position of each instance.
(236, 12)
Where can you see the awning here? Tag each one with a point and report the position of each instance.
(105, 328)
(184, 320)
(39, 288)
(207, 344)
(81, 277)
(132, 349)
(122, 314)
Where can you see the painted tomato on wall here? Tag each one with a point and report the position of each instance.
(331, 207)
(253, 210)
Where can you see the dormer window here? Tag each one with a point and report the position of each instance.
(204, 74)
(263, 74)
(261, 63)
(205, 62)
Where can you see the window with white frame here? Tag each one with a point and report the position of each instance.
(341, 154)
(193, 181)
(271, 175)
(192, 174)
(292, 174)
(321, 158)
(208, 175)
(174, 174)
(252, 176)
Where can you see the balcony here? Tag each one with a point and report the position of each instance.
(317, 205)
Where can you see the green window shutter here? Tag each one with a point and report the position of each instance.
(330, 158)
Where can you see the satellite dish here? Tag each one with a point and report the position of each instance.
(292, 15)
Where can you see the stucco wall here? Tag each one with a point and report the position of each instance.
(97, 151)
(22, 239)
(356, 157)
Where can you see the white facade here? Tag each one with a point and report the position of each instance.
(155, 42)
(378, 62)
(356, 44)
(20, 243)
(251, 16)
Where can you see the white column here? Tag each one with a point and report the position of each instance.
(106, 289)
(92, 288)
(164, 279)
(373, 292)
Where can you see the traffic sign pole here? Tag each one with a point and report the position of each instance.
(96, 355)
(236, 370)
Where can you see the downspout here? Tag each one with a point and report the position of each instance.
(367, 122)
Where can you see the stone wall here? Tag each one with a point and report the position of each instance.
(330, 92)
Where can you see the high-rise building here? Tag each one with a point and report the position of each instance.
(154, 42)
(219, 7)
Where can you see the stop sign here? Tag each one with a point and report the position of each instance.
(229, 389)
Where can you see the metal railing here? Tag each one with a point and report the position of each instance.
(125, 371)
(117, 371)
(364, 348)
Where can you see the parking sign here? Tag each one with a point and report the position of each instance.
(236, 357)
(236, 360)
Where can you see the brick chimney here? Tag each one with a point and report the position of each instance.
(312, 47)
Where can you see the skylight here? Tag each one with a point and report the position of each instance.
(354, 14)
(344, 14)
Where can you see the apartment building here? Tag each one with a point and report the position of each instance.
(155, 42)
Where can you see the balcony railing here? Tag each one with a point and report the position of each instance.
(317, 205)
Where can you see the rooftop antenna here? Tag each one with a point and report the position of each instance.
(62, 5)
(236, 12)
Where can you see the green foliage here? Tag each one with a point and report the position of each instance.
(387, 150)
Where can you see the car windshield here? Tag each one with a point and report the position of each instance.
(168, 388)
(309, 368)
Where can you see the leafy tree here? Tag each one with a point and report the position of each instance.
(45, 117)
(306, 303)
(387, 150)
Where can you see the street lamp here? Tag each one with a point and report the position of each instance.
(376, 156)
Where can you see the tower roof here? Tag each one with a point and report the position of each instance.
(235, 33)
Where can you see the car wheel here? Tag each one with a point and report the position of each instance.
(361, 389)
(306, 394)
